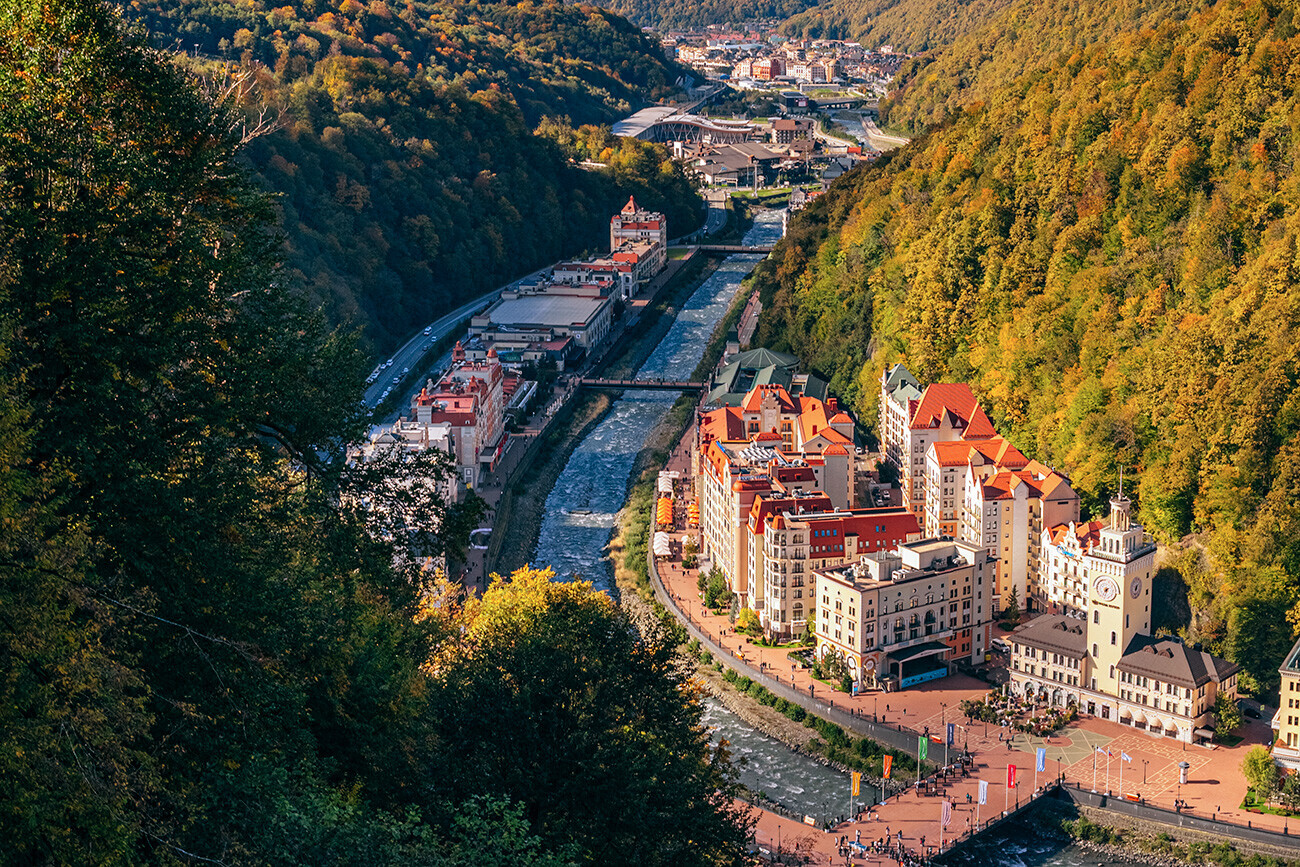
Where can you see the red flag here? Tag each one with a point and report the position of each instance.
(889, 763)
(1011, 776)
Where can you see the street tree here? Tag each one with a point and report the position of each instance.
(1260, 772)
(1227, 716)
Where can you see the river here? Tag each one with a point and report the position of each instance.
(593, 484)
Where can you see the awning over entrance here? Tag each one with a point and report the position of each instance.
(1204, 733)
(930, 648)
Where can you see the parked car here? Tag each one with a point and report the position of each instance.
(1248, 709)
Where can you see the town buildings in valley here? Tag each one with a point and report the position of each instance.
(1102, 658)
(568, 312)
(462, 414)
(774, 473)
(966, 482)
(761, 58)
(899, 617)
(791, 538)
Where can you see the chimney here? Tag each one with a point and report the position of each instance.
(832, 405)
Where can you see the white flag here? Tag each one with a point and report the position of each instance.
(1125, 756)
(984, 792)
(947, 812)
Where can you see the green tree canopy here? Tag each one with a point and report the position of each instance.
(596, 726)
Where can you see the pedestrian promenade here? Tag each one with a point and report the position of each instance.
(1214, 787)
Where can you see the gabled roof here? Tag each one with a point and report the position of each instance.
(722, 424)
(1055, 632)
(1170, 661)
(1085, 534)
(754, 400)
(955, 403)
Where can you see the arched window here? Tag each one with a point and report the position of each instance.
(797, 611)
(1096, 617)
(929, 617)
(1114, 639)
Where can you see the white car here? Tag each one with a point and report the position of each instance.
(428, 331)
(396, 380)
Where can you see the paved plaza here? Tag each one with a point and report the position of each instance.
(1214, 789)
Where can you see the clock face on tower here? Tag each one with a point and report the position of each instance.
(1107, 589)
(1135, 589)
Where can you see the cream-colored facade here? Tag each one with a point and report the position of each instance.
(1101, 656)
(899, 617)
(787, 544)
(1286, 722)
(944, 412)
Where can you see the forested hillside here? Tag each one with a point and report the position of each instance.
(1107, 251)
(684, 14)
(408, 176)
(908, 25)
(1017, 39)
(217, 644)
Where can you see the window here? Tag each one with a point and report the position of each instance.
(1096, 617)
(1114, 639)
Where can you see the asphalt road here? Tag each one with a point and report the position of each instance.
(413, 354)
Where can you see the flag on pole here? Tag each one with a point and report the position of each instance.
(984, 791)
(1011, 776)
(952, 728)
(1125, 756)
(1041, 762)
(857, 784)
(947, 812)
(922, 748)
(889, 763)
(1103, 751)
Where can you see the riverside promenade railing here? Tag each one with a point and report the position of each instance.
(903, 738)
(896, 736)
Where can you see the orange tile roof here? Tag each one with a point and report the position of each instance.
(722, 424)
(754, 400)
(1085, 534)
(957, 401)
(835, 450)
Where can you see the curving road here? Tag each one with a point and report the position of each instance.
(413, 354)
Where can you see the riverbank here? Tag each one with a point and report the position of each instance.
(519, 514)
(1096, 838)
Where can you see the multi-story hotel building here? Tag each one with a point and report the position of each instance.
(469, 402)
(899, 394)
(966, 482)
(771, 443)
(635, 223)
(900, 617)
(943, 413)
(948, 465)
(1005, 512)
(1286, 722)
(789, 539)
(1102, 657)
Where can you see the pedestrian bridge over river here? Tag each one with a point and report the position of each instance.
(661, 384)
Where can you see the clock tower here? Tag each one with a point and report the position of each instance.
(1119, 568)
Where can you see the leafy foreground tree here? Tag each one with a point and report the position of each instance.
(209, 650)
(596, 726)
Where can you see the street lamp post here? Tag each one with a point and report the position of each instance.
(943, 729)
(1144, 772)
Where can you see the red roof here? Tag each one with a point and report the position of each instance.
(956, 402)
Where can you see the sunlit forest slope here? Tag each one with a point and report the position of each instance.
(1106, 250)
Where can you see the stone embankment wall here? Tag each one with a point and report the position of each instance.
(1183, 827)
